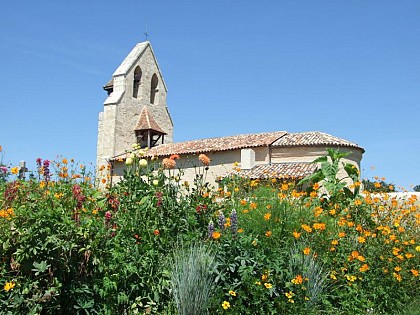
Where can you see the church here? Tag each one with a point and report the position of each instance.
(135, 111)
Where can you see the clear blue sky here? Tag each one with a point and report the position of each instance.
(348, 68)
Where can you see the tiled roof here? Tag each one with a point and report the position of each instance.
(217, 144)
(109, 85)
(312, 138)
(280, 170)
(147, 122)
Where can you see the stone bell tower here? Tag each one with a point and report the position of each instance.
(135, 110)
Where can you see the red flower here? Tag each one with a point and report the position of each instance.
(156, 232)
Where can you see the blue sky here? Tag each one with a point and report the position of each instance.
(348, 68)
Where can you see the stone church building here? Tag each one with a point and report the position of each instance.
(135, 111)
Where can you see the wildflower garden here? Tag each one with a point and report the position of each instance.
(155, 244)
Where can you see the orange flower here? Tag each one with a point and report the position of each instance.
(364, 268)
(297, 280)
(174, 157)
(64, 161)
(306, 250)
(267, 216)
(253, 205)
(284, 186)
(296, 234)
(204, 159)
(169, 163)
(103, 180)
(307, 228)
(319, 226)
(268, 233)
(216, 235)
(156, 232)
(315, 186)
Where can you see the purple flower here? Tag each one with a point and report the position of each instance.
(221, 220)
(46, 167)
(210, 229)
(3, 169)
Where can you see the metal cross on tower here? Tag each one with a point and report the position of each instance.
(146, 34)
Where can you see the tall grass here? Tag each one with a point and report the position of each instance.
(191, 279)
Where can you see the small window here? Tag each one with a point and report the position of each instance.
(153, 89)
(136, 81)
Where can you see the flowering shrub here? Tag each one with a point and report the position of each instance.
(68, 248)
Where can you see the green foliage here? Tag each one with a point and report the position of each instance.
(417, 188)
(378, 186)
(262, 247)
(328, 175)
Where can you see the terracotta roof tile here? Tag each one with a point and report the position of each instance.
(218, 144)
(280, 170)
(147, 122)
(312, 138)
(109, 85)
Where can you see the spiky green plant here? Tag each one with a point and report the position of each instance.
(191, 278)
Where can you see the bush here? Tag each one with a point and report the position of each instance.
(68, 248)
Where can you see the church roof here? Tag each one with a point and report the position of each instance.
(147, 122)
(274, 139)
(217, 144)
(279, 170)
(130, 61)
(312, 138)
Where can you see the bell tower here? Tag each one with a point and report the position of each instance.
(135, 110)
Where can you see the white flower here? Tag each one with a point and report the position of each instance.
(143, 163)
(129, 161)
(155, 182)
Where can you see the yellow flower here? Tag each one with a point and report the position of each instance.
(216, 235)
(258, 282)
(306, 250)
(397, 269)
(351, 278)
(267, 216)
(297, 280)
(361, 239)
(397, 276)
(268, 285)
(289, 294)
(319, 226)
(233, 293)
(225, 305)
(307, 228)
(296, 234)
(264, 277)
(15, 170)
(9, 285)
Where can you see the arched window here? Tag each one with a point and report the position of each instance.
(136, 81)
(153, 88)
